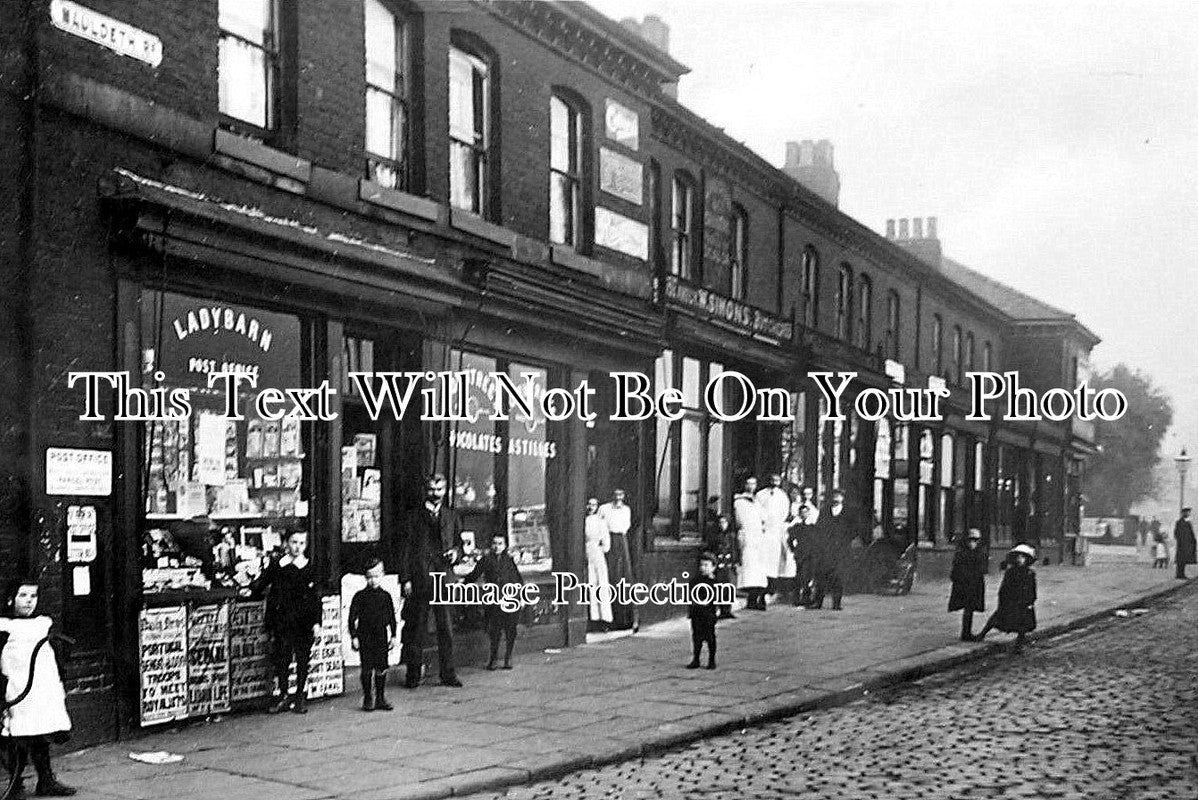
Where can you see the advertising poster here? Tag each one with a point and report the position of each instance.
(162, 641)
(208, 660)
(249, 652)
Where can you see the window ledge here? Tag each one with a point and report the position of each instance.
(472, 223)
(396, 200)
(254, 152)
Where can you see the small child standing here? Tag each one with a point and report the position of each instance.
(703, 615)
(372, 633)
(34, 709)
(1016, 612)
(292, 619)
(498, 567)
(1160, 551)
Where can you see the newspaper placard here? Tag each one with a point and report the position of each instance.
(325, 678)
(249, 652)
(208, 660)
(162, 637)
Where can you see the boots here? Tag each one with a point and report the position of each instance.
(283, 704)
(368, 703)
(47, 784)
(299, 704)
(380, 692)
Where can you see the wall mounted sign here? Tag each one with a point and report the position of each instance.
(622, 124)
(117, 36)
(78, 472)
(618, 232)
(621, 176)
(741, 316)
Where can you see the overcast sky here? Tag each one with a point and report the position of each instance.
(1057, 143)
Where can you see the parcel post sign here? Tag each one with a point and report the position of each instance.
(70, 471)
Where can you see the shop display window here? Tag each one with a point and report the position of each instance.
(219, 495)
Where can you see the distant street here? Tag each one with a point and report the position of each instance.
(1107, 712)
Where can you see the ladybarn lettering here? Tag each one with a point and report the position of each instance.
(218, 318)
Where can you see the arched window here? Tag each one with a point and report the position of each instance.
(567, 121)
(893, 324)
(387, 96)
(739, 252)
(865, 311)
(987, 355)
(969, 352)
(810, 287)
(844, 303)
(937, 346)
(958, 356)
(683, 223)
(470, 128)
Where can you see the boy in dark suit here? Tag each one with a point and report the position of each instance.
(372, 632)
(703, 614)
(498, 567)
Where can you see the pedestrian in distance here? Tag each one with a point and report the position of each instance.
(293, 616)
(372, 634)
(835, 533)
(499, 568)
(431, 543)
(703, 614)
(720, 541)
(597, 538)
(1183, 544)
(968, 578)
(756, 556)
(34, 709)
(1016, 612)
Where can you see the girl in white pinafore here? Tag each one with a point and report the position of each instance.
(42, 712)
(598, 542)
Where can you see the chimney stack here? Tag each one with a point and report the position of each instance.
(811, 164)
(916, 239)
(656, 32)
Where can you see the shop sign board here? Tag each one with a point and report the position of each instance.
(70, 471)
(620, 233)
(622, 124)
(745, 318)
(119, 37)
(621, 176)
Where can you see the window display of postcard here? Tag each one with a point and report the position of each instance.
(191, 500)
(371, 486)
(270, 439)
(365, 444)
(253, 439)
(210, 450)
(289, 437)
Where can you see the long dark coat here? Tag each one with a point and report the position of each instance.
(1183, 534)
(1016, 600)
(833, 540)
(969, 580)
(424, 541)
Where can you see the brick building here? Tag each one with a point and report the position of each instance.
(302, 189)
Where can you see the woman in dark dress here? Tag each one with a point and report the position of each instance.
(969, 582)
(1016, 612)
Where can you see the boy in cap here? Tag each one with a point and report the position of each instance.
(372, 633)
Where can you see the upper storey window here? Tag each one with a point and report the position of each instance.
(387, 96)
(844, 303)
(248, 71)
(739, 246)
(565, 172)
(469, 131)
(682, 261)
(810, 288)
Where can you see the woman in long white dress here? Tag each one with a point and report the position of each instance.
(598, 543)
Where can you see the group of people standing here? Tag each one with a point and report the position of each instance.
(775, 538)
(605, 530)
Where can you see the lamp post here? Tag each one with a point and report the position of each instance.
(1183, 464)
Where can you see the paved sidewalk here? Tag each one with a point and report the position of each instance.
(586, 705)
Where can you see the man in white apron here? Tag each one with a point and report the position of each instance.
(775, 514)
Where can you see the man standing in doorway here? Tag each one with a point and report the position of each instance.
(755, 562)
(834, 537)
(431, 543)
(618, 516)
(1183, 543)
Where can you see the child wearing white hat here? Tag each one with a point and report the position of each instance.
(1016, 612)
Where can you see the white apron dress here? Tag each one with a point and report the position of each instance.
(775, 511)
(44, 709)
(598, 542)
(757, 556)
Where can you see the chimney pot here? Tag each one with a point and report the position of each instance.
(917, 228)
(903, 229)
(932, 228)
(889, 229)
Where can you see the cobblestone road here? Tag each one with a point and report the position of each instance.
(1106, 713)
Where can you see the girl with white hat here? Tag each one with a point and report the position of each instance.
(1016, 612)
